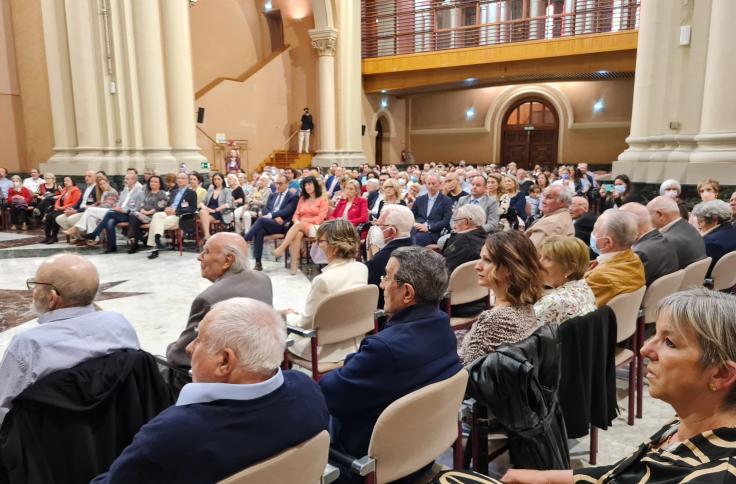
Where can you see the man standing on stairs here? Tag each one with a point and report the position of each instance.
(305, 130)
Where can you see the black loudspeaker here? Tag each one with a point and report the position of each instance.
(200, 115)
(362, 130)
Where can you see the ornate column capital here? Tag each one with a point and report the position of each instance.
(324, 40)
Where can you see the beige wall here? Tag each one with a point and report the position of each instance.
(394, 118)
(441, 132)
(12, 138)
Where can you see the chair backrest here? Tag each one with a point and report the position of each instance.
(658, 290)
(303, 463)
(695, 274)
(724, 273)
(417, 428)
(463, 285)
(626, 308)
(346, 314)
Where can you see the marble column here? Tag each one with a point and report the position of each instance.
(179, 83)
(325, 41)
(715, 155)
(152, 85)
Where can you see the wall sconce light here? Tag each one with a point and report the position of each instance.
(384, 103)
(598, 106)
(268, 6)
(470, 113)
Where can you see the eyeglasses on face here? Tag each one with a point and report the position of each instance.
(32, 283)
(386, 280)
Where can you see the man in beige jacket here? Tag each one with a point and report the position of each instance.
(556, 219)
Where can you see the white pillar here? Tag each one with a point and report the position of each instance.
(151, 81)
(325, 41)
(179, 82)
(536, 26)
(715, 156)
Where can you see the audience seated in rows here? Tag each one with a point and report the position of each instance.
(217, 205)
(70, 331)
(130, 200)
(692, 353)
(416, 348)
(685, 239)
(655, 252)
(310, 212)
(617, 269)
(395, 225)
(182, 201)
(478, 196)
(19, 199)
(556, 219)
(509, 266)
(224, 262)
(339, 242)
(582, 218)
(240, 409)
(564, 261)
(155, 201)
(719, 235)
(68, 198)
(88, 198)
(432, 213)
(107, 198)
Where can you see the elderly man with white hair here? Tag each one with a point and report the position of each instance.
(556, 219)
(684, 238)
(479, 196)
(468, 236)
(655, 252)
(395, 224)
(240, 409)
(69, 329)
(224, 262)
(617, 269)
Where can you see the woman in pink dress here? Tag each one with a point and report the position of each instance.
(311, 211)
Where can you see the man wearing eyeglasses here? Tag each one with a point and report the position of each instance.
(70, 331)
(275, 218)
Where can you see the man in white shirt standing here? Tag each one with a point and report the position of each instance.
(70, 331)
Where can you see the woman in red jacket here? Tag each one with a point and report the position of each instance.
(69, 197)
(351, 206)
(19, 199)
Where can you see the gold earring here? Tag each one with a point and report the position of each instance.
(712, 387)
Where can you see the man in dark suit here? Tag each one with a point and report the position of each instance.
(396, 222)
(238, 395)
(371, 191)
(582, 220)
(655, 252)
(224, 262)
(432, 213)
(683, 237)
(417, 348)
(275, 218)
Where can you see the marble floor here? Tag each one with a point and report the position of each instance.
(155, 296)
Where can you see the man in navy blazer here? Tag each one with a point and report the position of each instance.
(432, 213)
(275, 218)
(239, 411)
(417, 348)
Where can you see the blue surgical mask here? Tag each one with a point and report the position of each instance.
(593, 247)
(620, 188)
(414, 179)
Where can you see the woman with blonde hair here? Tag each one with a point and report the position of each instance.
(391, 194)
(339, 241)
(107, 198)
(351, 206)
(564, 261)
(510, 268)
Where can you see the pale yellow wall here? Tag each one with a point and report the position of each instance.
(593, 137)
(35, 133)
(395, 121)
(12, 138)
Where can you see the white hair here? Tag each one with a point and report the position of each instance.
(713, 211)
(400, 217)
(252, 329)
(620, 226)
(373, 181)
(473, 213)
(671, 183)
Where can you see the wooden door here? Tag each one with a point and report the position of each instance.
(529, 134)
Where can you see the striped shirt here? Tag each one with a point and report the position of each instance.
(706, 458)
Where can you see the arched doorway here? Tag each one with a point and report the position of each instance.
(380, 138)
(529, 133)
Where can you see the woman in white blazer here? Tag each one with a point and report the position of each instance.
(340, 243)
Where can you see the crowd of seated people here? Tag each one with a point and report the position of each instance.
(538, 270)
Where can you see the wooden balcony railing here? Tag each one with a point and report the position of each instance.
(396, 27)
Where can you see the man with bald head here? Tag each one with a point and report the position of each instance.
(555, 219)
(224, 262)
(683, 237)
(88, 198)
(617, 269)
(655, 252)
(69, 329)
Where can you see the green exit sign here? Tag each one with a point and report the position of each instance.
(205, 165)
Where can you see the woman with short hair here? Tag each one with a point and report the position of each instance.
(564, 261)
(672, 188)
(714, 223)
(351, 206)
(19, 199)
(692, 367)
(48, 192)
(391, 194)
(508, 266)
(339, 242)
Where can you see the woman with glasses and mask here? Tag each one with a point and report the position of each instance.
(339, 242)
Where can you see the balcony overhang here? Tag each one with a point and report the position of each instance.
(568, 58)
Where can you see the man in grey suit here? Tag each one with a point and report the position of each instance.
(685, 239)
(224, 261)
(656, 252)
(479, 197)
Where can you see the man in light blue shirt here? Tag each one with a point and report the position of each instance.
(70, 331)
(5, 183)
